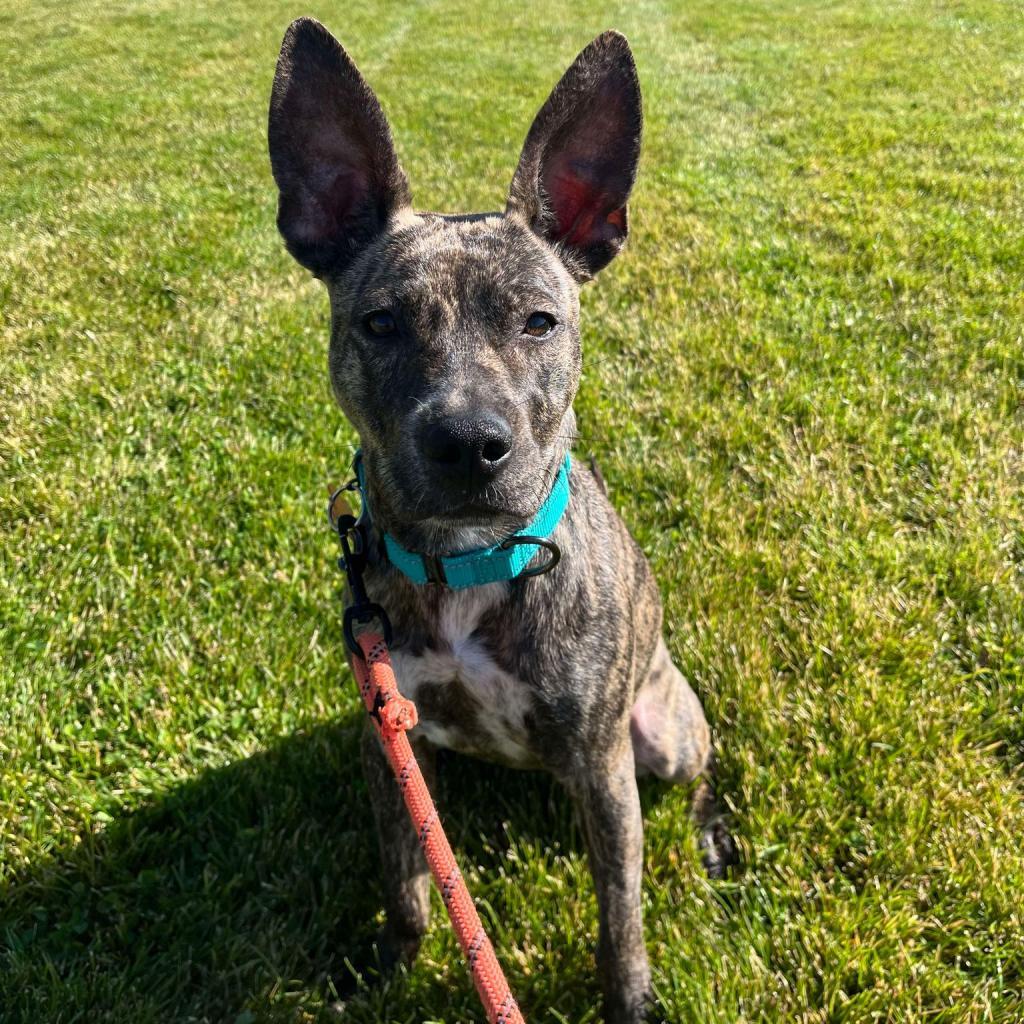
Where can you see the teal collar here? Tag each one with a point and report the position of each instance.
(505, 561)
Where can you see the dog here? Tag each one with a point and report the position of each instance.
(455, 353)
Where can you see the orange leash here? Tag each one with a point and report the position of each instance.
(393, 715)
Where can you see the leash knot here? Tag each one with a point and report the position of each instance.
(397, 714)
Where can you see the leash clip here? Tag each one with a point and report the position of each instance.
(351, 562)
(338, 511)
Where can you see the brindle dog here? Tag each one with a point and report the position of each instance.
(455, 352)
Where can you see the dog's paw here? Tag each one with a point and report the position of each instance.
(720, 853)
(395, 951)
(373, 964)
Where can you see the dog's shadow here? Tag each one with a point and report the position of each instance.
(200, 902)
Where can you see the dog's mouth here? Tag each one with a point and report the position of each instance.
(486, 506)
(464, 526)
(483, 516)
(473, 512)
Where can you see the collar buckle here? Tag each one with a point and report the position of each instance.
(433, 566)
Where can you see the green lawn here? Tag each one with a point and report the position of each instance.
(803, 382)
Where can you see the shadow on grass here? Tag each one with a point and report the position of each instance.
(261, 869)
(241, 886)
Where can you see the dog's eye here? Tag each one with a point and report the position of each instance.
(380, 323)
(539, 324)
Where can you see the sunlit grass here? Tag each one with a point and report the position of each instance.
(803, 384)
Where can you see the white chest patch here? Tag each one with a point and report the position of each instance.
(499, 701)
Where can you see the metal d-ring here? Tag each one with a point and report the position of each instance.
(538, 542)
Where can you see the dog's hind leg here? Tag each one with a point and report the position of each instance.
(670, 734)
(671, 739)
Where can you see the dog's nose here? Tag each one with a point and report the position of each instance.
(467, 448)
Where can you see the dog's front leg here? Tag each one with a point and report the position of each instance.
(406, 875)
(610, 810)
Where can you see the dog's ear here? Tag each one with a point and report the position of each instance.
(330, 151)
(580, 158)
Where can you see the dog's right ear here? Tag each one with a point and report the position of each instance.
(330, 151)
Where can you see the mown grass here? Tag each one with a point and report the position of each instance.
(803, 383)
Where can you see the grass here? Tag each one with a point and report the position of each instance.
(803, 383)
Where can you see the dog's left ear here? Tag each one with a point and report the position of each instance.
(580, 158)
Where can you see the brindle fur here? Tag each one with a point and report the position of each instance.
(565, 672)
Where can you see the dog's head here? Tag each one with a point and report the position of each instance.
(455, 346)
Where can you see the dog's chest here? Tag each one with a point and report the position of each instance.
(466, 701)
